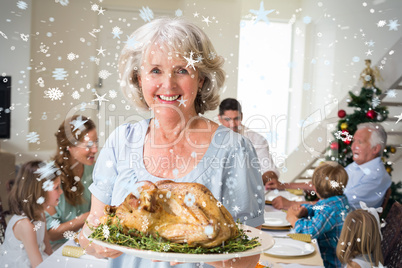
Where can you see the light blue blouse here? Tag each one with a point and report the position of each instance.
(229, 169)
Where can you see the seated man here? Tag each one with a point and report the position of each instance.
(230, 115)
(368, 179)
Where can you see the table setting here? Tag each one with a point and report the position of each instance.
(290, 249)
(280, 247)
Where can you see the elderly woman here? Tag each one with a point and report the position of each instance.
(171, 67)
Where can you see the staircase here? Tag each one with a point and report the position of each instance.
(306, 156)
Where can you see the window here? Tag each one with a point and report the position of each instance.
(263, 83)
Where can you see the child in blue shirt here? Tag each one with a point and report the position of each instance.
(324, 220)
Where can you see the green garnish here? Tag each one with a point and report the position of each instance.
(113, 233)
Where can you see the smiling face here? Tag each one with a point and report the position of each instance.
(86, 150)
(167, 81)
(52, 197)
(361, 147)
(231, 119)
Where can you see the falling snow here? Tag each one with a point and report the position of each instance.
(59, 74)
(375, 101)
(261, 13)
(75, 95)
(131, 42)
(24, 37)
(99, 98)
(334, 184)
(104, 74)
(116, 31)
(62, 2)
(343, 136)
(48, 185)
(32, 137)
(189, 199)
(112, 94)
(54, 224)
(22, 5)
(71, 56)
(40, 200)
(54, 94)
(70, 235)
(78, 123)
(212, 55)
(393, 25)
(37, 226)
(94, 7)
(47, 170)
(381, 23)
(179, 13)
(190, 61)
(146, 14)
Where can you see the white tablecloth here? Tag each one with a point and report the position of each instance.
(57, 260)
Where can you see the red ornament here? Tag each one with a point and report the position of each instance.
(347, 142)
(371, 114)
(334, 145)
(341, 113)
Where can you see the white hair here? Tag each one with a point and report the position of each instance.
(378, 134)
(179, 37)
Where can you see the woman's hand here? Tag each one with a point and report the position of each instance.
(93, 219)
(96, 250)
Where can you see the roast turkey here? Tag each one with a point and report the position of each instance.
(180, 212)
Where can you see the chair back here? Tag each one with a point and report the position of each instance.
(386, 199)
(391, 244)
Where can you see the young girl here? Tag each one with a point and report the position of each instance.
(359, 245)
(26, 243)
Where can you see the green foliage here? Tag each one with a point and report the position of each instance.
(363, 103)
(138, 240)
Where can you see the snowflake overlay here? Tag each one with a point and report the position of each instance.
(54, 224)
(70, 235)
(54, 94)
(32, 137)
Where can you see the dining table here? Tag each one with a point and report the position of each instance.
(313, 260)
(310, 260)
(85, 261)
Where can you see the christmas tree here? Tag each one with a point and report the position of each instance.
(367, 109)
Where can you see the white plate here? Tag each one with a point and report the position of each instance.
(264, 238)
(275, 193)
(277, 219)
(286, 247)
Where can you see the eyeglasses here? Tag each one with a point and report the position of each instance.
(89, 144)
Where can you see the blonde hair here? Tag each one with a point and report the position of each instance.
(67, 136)
(329, 179)
(27, 189)
(360, 236)
(179, 37)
